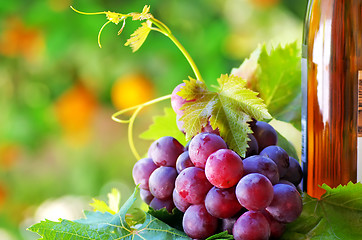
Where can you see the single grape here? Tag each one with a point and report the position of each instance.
(276, 228)
(198, 223)
(183, 161)
(222, 203)
(294, 172)
(192, 185)
(262, 165)
(158, 204)
(279, 156)
(254, 191)
(224, 168)
(146, 196)
(264, 134)
(165, 151)
(142, 170)
(177, 101)
(251, 225)
(287, 203)
(180, 202)
(162, 182)
(253, 148)
(202, 145)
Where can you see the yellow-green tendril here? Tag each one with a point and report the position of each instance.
(130, 121)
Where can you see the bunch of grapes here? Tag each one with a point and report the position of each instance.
(251, 198)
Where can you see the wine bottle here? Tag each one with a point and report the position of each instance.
(332, 94)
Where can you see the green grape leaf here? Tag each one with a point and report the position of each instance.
(276, 75)
(164, 125)
(230, 109)
(99, 226)
(221, 236)
(139, 36)
(114, 199)
(337, 215)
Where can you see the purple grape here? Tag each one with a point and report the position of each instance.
(294, 172)
(264, 134)
(142, 170)
(279, 156)
(286, 205)
(227, 224)
(254, 191)
(183, 161)
(282, 181)
(202, 145)
(165, 151)
(146, 196)
(192, 185)
(162, 182)
(222, 203)
(180, 202)
(262, 165)
(224, 168)
(251, 225)
(198, 223)
(276, 228)
(177, 101)
(158, 204)
(253, 148)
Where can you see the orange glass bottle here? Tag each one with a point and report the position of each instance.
(332, 94)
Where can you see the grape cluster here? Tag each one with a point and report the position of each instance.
(251, 198)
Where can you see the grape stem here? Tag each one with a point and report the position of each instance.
(131, 120)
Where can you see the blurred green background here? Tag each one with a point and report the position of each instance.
(58, 90)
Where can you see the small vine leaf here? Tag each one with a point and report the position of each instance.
(143, 15)
(139, 36)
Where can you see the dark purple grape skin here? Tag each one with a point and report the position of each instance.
(282, 181)
(158, 204)
(198, 223)
(294, 172)
(162, 182)
(264, 134)
(183, 161)
(252, 225)
(146, 196)
(276, 228)
(279, 156)
(180, 202)
(262, 165)
(192, 185)
(253, 148)
(254, 191)
(165, 151)
(222, 203)
(202, 146)
(227, 224)
(142, 170)
(287, 203)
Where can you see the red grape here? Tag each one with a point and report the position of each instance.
(198, 223)
(183, 161)
(162, 182)
(251, 225)
(180, 202)
(165, 151)
(146, 196)
(287, 203)
(192, 185)
(294, 172)
(224, 168)
(262, 165)
(202, 145)
(279, 156)
(254, 191)
(264, 134)
(142, 170)
(158, 204)
(222, 203)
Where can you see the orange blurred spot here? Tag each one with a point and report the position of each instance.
(76, 110)
(131, 90)
(9, 154)
(3, 194)
(264, 3)
(19, 40)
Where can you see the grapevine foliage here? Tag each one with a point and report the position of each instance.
(230, 109)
